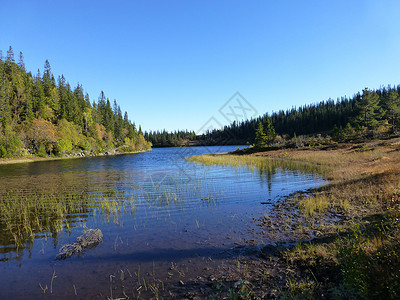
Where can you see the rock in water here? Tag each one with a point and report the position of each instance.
(89, 239)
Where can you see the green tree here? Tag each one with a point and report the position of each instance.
(261, 139)
(30, 106)
(269, 131)
(38, 98)
(369, 109)
(393, 108)
(21, 63)
(69, 137)
(10, 56)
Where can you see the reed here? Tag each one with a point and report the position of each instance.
(25, 216)
(260, 163)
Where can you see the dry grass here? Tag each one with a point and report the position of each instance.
(363, 179)
(358, 258)
(364, 186)
(361, 182)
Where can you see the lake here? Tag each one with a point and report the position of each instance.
(164, 220)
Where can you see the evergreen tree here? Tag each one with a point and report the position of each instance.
(38, 116)
(369, 109)
(10, 56)
(21, 63)
(270, 133)
(38, 96)
(261, 139)
(63, 98)
(393, 108)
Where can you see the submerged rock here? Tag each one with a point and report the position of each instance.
(89, 239)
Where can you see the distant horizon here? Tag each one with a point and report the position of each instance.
(174, 65)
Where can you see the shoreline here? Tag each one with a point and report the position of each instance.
(307, 243)
(18, 160)
(348, 226)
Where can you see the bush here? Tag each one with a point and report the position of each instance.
(3, 151)
(41, 152)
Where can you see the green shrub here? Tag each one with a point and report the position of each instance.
(41, 152)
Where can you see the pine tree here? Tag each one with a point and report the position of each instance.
(369, 109)
(38, 116)
(21, 63)
(10, 56)
(261, 140)
(393, 107)
(269, 131)
(38, 102)
(63, 98)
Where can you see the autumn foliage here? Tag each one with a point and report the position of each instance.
(41, 117)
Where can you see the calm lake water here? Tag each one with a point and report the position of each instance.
(173, 218)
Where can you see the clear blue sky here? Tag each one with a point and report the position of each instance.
(173, 64)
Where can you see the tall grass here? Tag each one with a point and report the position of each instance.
(262, 163)
(362, 261)
(316, 203)
(26, 216)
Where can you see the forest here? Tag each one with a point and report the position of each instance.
(41, 116)
(170, 139)
(366, 112)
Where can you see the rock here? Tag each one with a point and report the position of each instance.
(89, 239)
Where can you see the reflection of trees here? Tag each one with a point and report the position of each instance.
(266, 174)
(266, 167)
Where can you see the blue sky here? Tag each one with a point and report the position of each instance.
(173, 64)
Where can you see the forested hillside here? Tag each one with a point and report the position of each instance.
(42, 116)
(365, 111)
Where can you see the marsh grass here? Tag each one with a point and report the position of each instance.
(359, 264)
(25, 216)
(261, 163)
(360, 261)
(315, 203)
(360, 257)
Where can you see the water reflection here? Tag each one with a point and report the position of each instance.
(158, 193)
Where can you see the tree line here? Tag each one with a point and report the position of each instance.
(366, 111)
(170, 139)
(42, 116)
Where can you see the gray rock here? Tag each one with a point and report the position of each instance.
(89, 239)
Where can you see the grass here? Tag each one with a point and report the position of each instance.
(361, 264)
(362, 260)
(29, 214)
(26, 216)
(266, 164)
(359, 258)
(314, 204)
